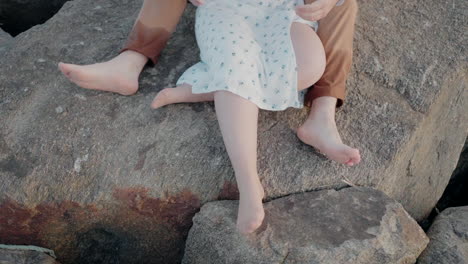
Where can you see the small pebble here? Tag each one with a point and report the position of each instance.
(78, 161)
(59, 109)
(41, 60)
(81, 97)
(98, 28)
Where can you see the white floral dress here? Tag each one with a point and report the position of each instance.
(246, 48)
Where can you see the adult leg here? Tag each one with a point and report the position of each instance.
(155, 23)
(336, 31)
(238, 120)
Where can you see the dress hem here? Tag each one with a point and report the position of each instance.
(254, 101)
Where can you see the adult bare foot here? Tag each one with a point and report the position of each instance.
(180, 94)
(250, 214)
(119, 75)
(320, 132)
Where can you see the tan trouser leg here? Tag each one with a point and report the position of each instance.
(336, 31)
(156, 22)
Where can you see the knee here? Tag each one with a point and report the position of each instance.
(317, 70)
(311, 72)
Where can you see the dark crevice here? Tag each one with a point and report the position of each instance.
(456, 192)
(18, 16)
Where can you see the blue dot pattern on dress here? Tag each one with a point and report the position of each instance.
(246, 48)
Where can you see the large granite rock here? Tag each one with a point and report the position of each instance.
(353, 226)
(4, 37)
(21, 254)
(81, 168)
(448, 238)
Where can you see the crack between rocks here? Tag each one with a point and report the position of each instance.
(270, 244)
(320, 188)
(269, 128)
(285, 257)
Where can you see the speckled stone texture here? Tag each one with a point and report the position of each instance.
(448, 236)
(5, 41)
(24, 256)
(97, 176)
(353, 226)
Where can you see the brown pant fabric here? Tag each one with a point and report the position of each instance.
(155, 24)
(336, 31)
(158, 19)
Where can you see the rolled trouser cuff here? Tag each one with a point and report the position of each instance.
(147, 41)
(317, 91)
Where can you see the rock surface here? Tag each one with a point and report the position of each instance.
(80, 166)
(24, 256)
(353, 225)
(5, 41)
(448, 238)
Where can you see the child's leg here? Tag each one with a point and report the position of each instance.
(311, 65)
(320, 129)
(180, 94)
(237, 119)
(156, 21)
(310, 55)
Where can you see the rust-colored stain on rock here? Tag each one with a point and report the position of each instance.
(138, 227)
(176, 211)
(22, 225)
(229, 191)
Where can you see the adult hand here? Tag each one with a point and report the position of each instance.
(315, 10)
(196, 2)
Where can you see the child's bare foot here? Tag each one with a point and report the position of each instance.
(180, 94)
(320, 131)
(119, 75)
(250, 214)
